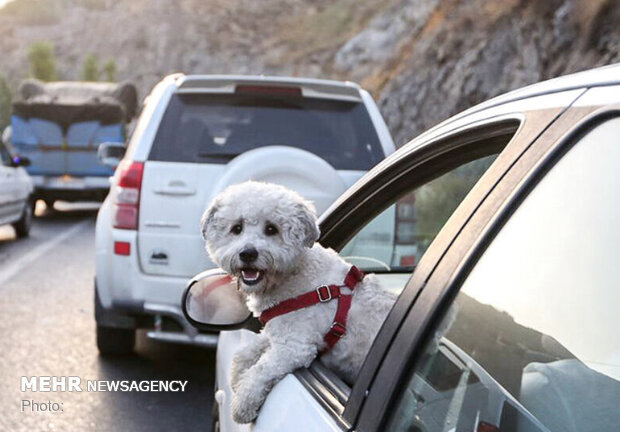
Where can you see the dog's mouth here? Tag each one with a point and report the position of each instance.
(251, 276)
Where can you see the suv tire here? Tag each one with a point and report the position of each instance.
(116, 334)
(115, 341)
(22, 226)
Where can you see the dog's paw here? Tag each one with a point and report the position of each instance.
(236, 373)
(235, 378)
(245, 404)
(235, 381)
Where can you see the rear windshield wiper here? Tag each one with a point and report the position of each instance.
(227, 156)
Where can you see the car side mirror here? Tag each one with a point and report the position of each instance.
(21, 161)
(212, 302)
(111, 153)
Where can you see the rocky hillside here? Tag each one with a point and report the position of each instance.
(424, 60)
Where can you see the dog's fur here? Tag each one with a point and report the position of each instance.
(291, 264)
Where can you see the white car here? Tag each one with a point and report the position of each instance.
(15, 193)
(195, 136)
(508, 322)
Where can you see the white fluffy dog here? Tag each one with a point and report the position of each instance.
(265, 235)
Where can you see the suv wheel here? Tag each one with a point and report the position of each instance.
(115, 341)
(22, 226)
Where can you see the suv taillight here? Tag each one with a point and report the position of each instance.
(405, 228)
(127, 192)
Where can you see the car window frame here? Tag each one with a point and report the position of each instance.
(458, 258)
(532, 125)
(370, 200)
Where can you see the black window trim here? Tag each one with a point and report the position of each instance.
(327, 389)
(454, 156)
(359, 200)
(533, 125)
(430, 307)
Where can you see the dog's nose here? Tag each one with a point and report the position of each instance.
(248, 255)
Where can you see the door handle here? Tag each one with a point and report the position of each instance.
(175, 190)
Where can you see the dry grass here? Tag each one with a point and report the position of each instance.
(588, 10)
(31, 12)
(327, 27)
(92, 4)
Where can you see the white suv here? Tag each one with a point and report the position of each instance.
(195, 136)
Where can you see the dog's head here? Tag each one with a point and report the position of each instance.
(258, 231)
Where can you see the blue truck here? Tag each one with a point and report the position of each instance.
(59, 126)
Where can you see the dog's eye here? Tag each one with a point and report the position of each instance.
(271, 230)
(236, 229)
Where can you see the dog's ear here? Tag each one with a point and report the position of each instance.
(306, 214)
(207, 218)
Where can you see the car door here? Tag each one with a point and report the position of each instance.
(524, 297)
(8, 187)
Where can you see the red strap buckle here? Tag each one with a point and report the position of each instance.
(337, 330)
(327, 297)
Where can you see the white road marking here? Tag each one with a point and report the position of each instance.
(16, 266)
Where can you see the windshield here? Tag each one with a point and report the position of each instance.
(210, 128)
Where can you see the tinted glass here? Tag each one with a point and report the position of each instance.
(397, 238)
(208, 128)
(5, 157)
(536, 321)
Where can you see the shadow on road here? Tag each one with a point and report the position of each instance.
(65, 211)
(162, 411)
(47, 221)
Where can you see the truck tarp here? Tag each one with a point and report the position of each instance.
(66, 114)
(65, 103)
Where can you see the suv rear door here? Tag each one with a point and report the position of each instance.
(200, 134)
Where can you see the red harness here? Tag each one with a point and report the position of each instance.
(322, 294)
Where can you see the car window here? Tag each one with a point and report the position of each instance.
(396, 239)
(215, 128)
(531, 341)
(5, 157)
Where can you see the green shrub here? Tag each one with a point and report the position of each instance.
(5, 102)
(109, 70)
(42, 62)
(90, 68)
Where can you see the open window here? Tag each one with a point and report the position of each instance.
(396, 219)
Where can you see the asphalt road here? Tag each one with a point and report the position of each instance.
(47, 328)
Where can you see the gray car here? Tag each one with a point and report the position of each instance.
(15, 193)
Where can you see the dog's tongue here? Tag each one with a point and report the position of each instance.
(249, 274)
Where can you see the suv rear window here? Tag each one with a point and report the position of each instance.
(214, 128)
